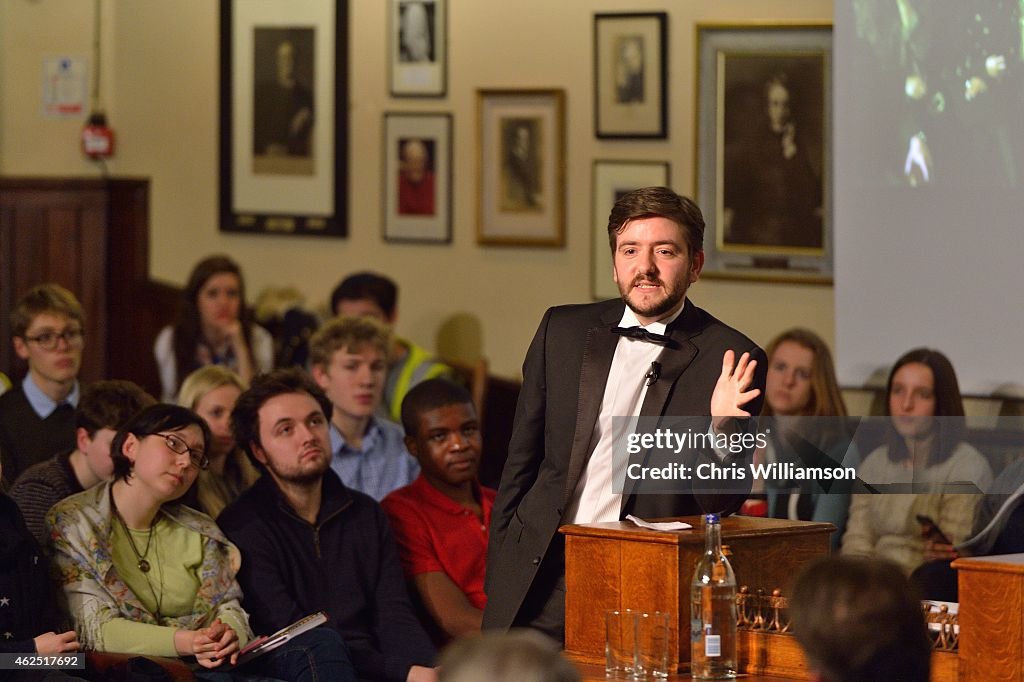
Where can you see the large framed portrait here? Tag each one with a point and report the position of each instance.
(631, 75)
(418, 53)
(612, 179)
(764, 156)
(417, 177)
(283, 117)
(521, 167)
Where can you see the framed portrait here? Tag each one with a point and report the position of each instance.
(283, 117)
(521, 167)
(612, 179)
(764, 155)
(418, 52)
(417, 177)
(631, 75)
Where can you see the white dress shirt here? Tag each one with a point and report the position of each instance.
(593, 500)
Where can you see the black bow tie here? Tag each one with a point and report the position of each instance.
(641, 334)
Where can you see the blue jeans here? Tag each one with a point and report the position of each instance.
(315, 656)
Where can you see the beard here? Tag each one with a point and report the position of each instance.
(653, 307)
(300, 475)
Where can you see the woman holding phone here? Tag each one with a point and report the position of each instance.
(926, 453)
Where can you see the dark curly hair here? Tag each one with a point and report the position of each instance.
(245, 418)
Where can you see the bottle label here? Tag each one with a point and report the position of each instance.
(712, 646)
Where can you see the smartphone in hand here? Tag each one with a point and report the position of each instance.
(931, 531)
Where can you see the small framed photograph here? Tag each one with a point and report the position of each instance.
(521, 167)
(418, 51)
(612, 179)
(417, 177)
(283, 117)
(631, 75)
(764, 157)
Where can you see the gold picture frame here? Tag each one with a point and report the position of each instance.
(521, 167)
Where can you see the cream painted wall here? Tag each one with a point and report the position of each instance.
(162, 97)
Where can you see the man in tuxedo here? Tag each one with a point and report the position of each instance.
(651, 354)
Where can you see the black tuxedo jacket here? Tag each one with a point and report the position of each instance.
(564, 377)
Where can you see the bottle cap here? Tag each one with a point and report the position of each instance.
(711, 518)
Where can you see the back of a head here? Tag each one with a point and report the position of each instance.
(110, 404)
(859, 619)
(515, 656)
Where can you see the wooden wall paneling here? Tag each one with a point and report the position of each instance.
(76, 232)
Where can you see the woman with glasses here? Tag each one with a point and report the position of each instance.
(144, 575)
(212, 392)
(214, 327)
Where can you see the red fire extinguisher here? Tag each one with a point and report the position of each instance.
(97, 137)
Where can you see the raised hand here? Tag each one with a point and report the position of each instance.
(731, 394)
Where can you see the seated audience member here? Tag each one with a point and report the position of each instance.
(514, 656)
(143, 575)
(105, 407)
(802, 393)
(30, 619)
(212, 391)
(925, 448)
(440, 521)
(214, 327)
(349, 359)
(858, 619)
(310, 544)
(37, 416)
(373, 295)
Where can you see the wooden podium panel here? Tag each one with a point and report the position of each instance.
(991, 620)
(620, 566)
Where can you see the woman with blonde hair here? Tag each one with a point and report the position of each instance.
(211, 392)
(801, 383)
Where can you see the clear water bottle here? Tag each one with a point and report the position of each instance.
(713, 610)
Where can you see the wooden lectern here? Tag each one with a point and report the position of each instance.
(991, 621)
(621, 566)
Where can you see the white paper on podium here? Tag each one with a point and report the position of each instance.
(659, 525)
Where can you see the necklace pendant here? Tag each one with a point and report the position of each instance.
(143, 565)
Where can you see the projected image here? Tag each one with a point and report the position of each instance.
(951, 72)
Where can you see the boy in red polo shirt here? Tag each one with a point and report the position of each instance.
(440, 520)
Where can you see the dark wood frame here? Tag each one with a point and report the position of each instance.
(440, 39)
(336, 224)
(661, 30)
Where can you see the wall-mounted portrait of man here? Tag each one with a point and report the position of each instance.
(417, 184)
(283, 101)
(416, 32)
(629, 69)
(774, 152)
(521, 182)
